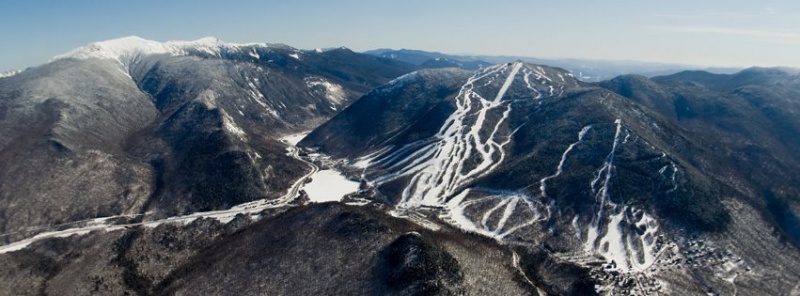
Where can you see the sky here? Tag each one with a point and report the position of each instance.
(732, 33)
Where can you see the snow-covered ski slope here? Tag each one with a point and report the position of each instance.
(473, 142)
(466, 147)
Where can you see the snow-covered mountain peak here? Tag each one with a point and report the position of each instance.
(120, 49)
(127, 49)
(208, 40)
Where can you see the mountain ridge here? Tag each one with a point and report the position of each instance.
(589, 70)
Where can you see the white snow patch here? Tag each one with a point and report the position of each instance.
(415, 217)
(398, 82)
(333, 92)
(258, 97)
(616, 251)
(329, 185)
(231, 127)
(295, 56)
(361, 164)
(254, 54)
(366, 160)
(208, 98)
(9, 73)
(295, 138)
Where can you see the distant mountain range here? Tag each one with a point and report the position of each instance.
(132, 166)
(584, 69)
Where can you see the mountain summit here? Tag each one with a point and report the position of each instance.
(129, 48)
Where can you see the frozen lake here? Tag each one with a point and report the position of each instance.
(329, 185)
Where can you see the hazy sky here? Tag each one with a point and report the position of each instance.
(719, 33)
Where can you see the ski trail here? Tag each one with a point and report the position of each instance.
(527, 79)
(508, 82)
(560, 168)
(488, 214)
(608, 232)
(443, 170)
(507, 214)
(609, 165)
(470, 144)
(601, 194)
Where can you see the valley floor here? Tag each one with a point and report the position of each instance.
(318, 186)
